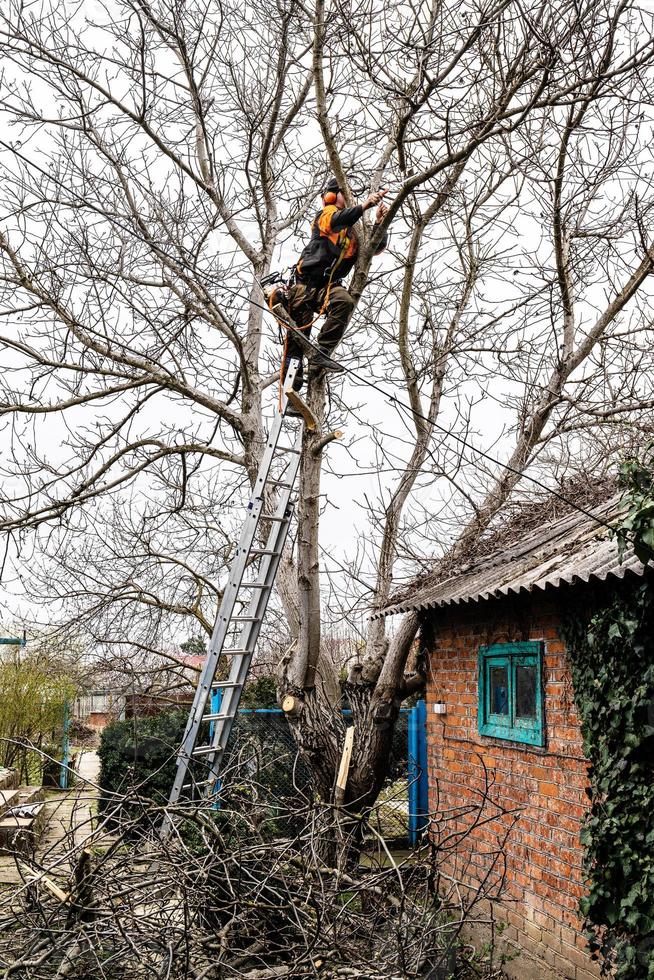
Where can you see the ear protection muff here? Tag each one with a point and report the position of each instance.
(329, 198)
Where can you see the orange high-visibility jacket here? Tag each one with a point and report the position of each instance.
(333, 246)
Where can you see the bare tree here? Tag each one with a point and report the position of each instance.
(162, 157)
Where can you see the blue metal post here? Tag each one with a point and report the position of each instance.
(423, 778)
(412, 776)
(417, 772)
(65, 748)
(216, 701)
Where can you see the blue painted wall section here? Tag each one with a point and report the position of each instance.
(418, 781)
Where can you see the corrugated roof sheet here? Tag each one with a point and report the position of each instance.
(574, 548)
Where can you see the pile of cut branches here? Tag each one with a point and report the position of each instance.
(221, 898)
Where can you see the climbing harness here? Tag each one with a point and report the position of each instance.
(276, 291)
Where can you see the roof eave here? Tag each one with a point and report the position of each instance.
(507, 591)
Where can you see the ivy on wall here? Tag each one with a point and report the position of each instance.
(636, 531)
(612, 664)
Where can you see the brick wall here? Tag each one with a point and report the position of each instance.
(538, 881)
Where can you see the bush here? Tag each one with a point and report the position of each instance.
(33, 692)
(137, 757)
(260, 692)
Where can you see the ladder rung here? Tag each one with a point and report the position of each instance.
(246, 619)
(272, 517)
(217, 684)
(199, 782)
(258, 552)
(254, 585)
(205, 749)
(234, 653)
(218, 716)
(288, 449)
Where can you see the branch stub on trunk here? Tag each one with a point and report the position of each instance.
(292, 706)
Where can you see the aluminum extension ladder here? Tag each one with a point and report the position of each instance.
(236, 631)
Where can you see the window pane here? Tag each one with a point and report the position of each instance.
(525, 691)
(499, 691)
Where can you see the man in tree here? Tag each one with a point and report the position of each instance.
(318, 287)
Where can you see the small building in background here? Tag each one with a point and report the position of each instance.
(99, 707)
(507, 773)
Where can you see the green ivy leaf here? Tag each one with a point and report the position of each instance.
(612, 663)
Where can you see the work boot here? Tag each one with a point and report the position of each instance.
(321, 361)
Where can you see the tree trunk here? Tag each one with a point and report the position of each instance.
(318, 725)
(308, 654)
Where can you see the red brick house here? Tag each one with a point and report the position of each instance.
(501, 714)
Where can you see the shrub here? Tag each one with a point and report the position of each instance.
(33, 692)
(137, 755)
(260, 692)
(137, 758)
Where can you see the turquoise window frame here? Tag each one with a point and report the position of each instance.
(511, 656)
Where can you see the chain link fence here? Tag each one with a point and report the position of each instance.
(262, 771)
(262, 754)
